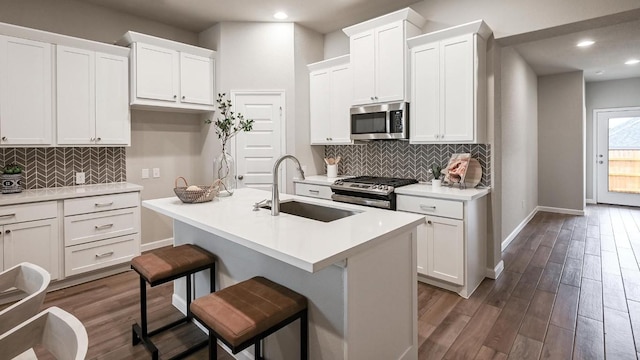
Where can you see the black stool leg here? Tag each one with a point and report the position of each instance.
(304, 336)
(258, 349)
(189, 316)
(213, 346)
(212, 278)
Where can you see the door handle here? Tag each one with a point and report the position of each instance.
(600, 155)
(600, 162)
(105, 226)
(240, 177)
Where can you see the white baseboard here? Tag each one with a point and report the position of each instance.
(517, 230)
(156, 244)
(495, 272)
(591, 201)
(561, 210)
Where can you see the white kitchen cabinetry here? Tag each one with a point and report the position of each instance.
(168, 75)
(448, 85)
(92, 98)
(330, 85)
(313, 190)
(100, 231)
(378, 52)
(451, 244)
(26, 77)
(30, 233)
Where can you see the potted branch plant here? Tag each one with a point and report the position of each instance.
(436, 171)
(11, 178)
(227, 125)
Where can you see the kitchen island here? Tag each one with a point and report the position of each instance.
(358, 272)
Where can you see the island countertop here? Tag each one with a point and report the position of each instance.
(304, 243)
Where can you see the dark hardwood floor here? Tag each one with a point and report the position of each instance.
(570, 289)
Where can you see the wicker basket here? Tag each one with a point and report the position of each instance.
(203, 194)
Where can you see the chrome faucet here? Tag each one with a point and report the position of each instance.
(275, 195)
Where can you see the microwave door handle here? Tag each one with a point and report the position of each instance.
(388, 122)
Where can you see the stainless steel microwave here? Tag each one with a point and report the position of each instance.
(380, 121)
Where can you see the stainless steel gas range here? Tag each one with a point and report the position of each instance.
(369, 191)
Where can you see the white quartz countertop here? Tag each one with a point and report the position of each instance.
(443, 192)
(67, 192)
(320, 179)
(304, 243)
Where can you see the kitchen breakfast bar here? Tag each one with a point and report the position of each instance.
(358, 272)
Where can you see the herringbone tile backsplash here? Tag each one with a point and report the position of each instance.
(400, 159)
(56, 166)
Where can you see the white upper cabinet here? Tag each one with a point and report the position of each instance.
(167, 75)
(379, 56)
(26, 77)
(92, 98)
(448, 85)
(330, 84)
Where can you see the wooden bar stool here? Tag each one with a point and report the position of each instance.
(159, 267)
(243, 314)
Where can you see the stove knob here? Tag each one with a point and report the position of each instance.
(384, 187)
(338, 182)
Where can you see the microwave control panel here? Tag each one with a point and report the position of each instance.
(396, 121)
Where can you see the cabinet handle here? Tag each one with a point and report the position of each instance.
(372, 98)
(7, 232)
(240, 177)
(7, 216)
(4, 138)
(175, 96)
(376, 97)
(428, 207)
(104, 204)
(105, 226)
(183, 97)
(315, 191)
(92, 139)
(98, 139)
(103, 255)
(429, 222)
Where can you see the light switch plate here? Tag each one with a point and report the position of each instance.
(145, 173)
(80, 178)
(156, 172)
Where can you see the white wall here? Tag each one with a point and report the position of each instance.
(519, 140)
(163, 140)
(336, 44)
(561, 167)
(603, 95)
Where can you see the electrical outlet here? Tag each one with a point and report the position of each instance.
(156, 172)
(80, 179)
(145, 173)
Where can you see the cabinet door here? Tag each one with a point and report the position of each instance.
(422, 255)
(445, 249)
(363, 66)
(113, 124)
(34, 241)
(425, 93)
(341, 85)
(75, 95)
(320, 107)
(457, 88)
(25, 92)
(390, 51)
(156, 72)
(196, 79)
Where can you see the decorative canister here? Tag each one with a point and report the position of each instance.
(11, 183)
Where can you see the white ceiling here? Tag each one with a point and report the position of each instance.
(549, 51)
(614, 45)
(197, 15)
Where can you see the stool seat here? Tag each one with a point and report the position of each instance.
(248, 309)
(169, 263)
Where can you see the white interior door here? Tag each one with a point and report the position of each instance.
(618, 156)
(257, 150)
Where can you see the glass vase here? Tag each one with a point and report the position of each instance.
(224, 169)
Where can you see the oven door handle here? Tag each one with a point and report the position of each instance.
(384, 204)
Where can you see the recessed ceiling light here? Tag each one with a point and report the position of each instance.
(280, 15)
(585, 43)
(632, 62)
(599, 72)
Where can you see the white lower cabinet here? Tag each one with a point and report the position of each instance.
(100, 231)
(313, 190)
(30, 233)
(451, 244)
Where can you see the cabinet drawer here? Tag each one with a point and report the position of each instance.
(100, 203)
(430, 206)
(27, 212)
(100, 254)
(80, 229)
(317, 191)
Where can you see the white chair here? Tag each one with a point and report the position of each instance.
(61, 333)
(33, 280)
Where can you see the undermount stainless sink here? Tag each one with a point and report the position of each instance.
(313, 211)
